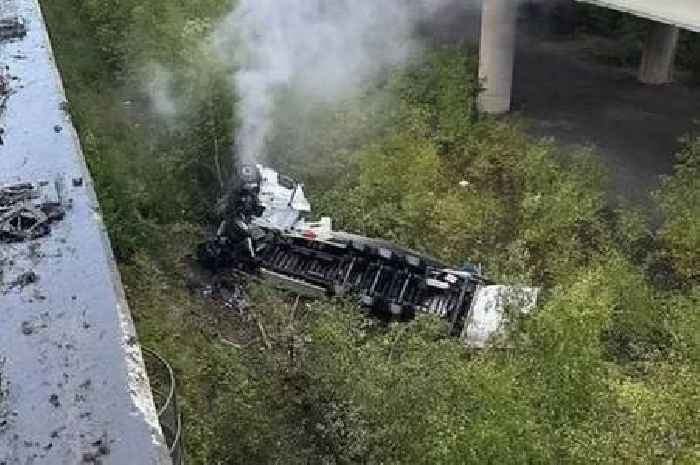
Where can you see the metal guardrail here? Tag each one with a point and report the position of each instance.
(163, 385)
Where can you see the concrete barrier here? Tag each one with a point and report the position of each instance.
(73, 387)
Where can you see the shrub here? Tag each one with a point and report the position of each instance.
(679, 199)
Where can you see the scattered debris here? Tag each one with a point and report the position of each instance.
(23, 280)
(25, 215)
(4, 84)
(35, 325)
(5, 92)
(225, 290)
(5, 414)
(100, 449)
(231, 295)
(12, 28)
(16, 193)
(27, 328)
(53, 400)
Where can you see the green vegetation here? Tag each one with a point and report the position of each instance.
(140, 163)
(679, 202)
(606, 371)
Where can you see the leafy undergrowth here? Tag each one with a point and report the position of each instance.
(318, 382)
(619, 312)
(606, 371)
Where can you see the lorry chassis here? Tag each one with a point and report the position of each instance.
(263, 232)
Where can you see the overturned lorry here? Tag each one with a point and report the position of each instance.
(264, 231)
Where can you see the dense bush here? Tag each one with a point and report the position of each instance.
(597, 355)
(467, 190)
(680, 204)
(558, 398)
(110, 53)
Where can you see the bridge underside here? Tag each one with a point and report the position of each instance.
(684, 14)
(498, 43)
(668, 18)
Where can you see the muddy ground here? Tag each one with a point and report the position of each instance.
(635, 128)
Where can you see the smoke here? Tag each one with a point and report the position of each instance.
(158, 86)
(323, 48)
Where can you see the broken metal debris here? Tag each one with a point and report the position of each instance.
(229, 292)
(12, 28)
(20, 282)
(4, 394)
(225, 290)
(5, 92)
(25, 279)
(25, 215)
(5, 89)
(27, 328)
(4, 84)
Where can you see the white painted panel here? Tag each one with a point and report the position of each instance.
(492, 309)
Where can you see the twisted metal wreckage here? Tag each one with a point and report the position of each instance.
(263, 232)
(12, 28)
(26, 214)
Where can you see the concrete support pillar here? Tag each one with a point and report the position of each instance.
(659, 55)
(497, 54)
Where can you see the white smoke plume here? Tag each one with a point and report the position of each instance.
(158, 85)
(324, 47)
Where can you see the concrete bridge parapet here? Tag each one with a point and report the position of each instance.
(73, 386)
